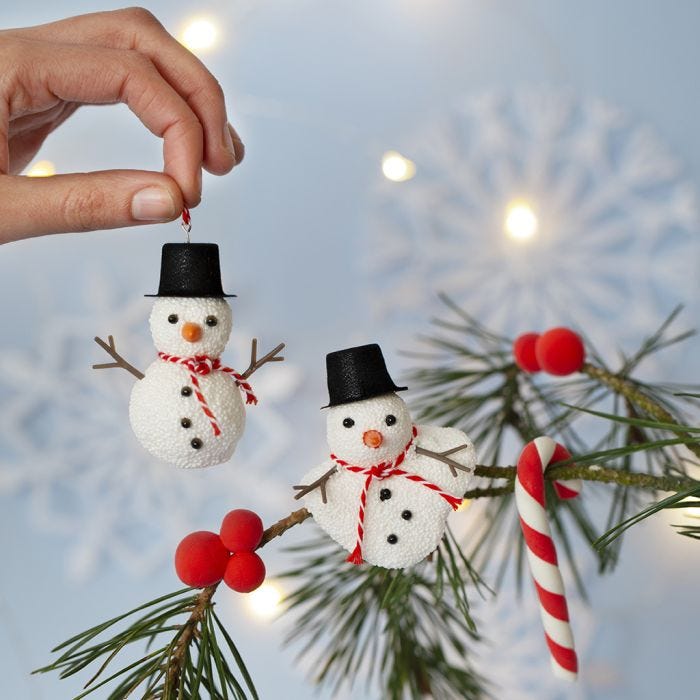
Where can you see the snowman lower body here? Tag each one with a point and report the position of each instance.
(404, 521)
(169, 421)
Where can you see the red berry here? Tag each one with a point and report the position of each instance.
(241, 530)
(200, 559)
(560, 351)
(245, 572)
(524, 352)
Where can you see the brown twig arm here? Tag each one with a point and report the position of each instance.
(444, 457)
(119, 361)
(255, 364)
(319, 483)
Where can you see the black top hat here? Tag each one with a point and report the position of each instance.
(190, 270)
(358, 373)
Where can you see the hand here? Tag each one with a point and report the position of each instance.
(47, 72)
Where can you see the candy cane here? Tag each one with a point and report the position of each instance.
(530, 499)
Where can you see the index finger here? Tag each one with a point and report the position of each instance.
(137, 29)
(96, 75)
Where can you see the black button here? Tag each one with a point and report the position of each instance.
(196, 443)
(407, 515)
(185, 422)
(392, 539)
(384, 495)
(186, 391)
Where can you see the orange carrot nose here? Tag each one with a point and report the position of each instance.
(191, 332)
(372, 438)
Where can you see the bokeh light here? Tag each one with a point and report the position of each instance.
(200, 34)
(265, 601)
(520, 221)
(396, 167)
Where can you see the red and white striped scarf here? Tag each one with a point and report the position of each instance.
(380, 471)
(202, 365)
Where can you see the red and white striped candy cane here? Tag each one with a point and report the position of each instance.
(530, 499)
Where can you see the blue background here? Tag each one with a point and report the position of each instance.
(318, 91)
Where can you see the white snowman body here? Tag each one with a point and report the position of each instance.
(404, 520)
(164, 411)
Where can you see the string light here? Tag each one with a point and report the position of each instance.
(521, 221)
(466, 502)
(691, 512)
(264, 601)
(396, 167)
(199, 34)
(42, 168)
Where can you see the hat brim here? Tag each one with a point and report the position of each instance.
(348, 400)
(194, 296)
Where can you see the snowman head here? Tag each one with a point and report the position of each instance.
(367, 432)
(186, 326)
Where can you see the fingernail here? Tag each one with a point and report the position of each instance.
(153, 204)
(228, 140)
(237, 144)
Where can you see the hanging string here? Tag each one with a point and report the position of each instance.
(186, 222)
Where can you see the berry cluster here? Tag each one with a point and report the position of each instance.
(558, 351)
(205, 558)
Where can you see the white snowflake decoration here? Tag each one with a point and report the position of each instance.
(67, 444)
(616, 223)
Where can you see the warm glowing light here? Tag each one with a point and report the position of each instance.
(464, 504)
(520, 222)
(692, 512)
(42, 168)
(200, 34)
(265, 601)
(396, 167)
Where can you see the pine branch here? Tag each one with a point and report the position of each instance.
(677, 500)
(473, 384)
(170, 672)
(423, 612)
(568, 470)
(624, 387)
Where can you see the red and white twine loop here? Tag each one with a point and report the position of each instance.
(541, 554)
(186, 222)
(202, 365)
(380, 471)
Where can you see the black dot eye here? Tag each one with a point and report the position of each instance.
(211, 321)
(392, 539)
(348, 422)
(196, 443)
(384, 494)
(186, 391)
(390, 420)
(185, 422)
(172, 318)
(407, 515)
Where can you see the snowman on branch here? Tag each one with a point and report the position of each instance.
(387, 487)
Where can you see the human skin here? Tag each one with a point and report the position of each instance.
(48, 71)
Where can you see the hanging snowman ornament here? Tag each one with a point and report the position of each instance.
(188, 408)
(388, 485)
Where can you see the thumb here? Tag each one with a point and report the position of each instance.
(35, 206)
